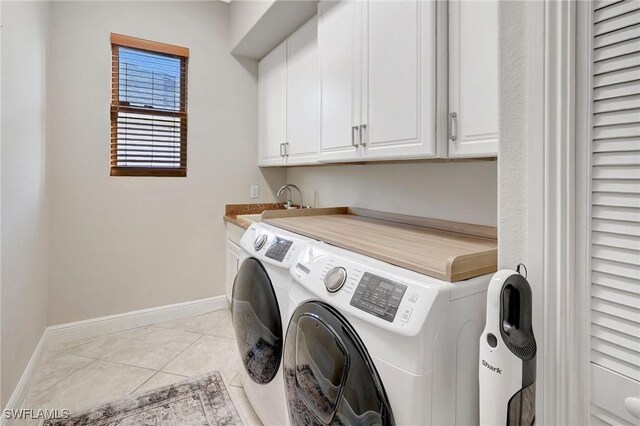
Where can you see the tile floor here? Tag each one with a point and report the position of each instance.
(82, 374)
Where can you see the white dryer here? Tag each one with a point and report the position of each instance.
(369, 343)
(258, 307)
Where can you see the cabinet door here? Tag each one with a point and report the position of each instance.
(272, 107)
(339, 29)
(398, 93)
(303, 95)
(473, 78)
(614, 252)
(233, 263)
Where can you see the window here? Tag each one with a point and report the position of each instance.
(148, 108)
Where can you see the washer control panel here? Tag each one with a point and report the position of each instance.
(370, 290)
(378, 296)
(278, 249)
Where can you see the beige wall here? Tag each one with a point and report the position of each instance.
(464, 191)
(24, 262)
(121, 244)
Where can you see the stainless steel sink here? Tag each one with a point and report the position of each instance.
(252, 217)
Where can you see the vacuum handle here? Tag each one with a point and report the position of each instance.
(516, 322)
(516, 309)
(511, 311)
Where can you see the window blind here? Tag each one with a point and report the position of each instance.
(615, 207)
(148, 108)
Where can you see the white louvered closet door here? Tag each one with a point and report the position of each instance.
(615, 212)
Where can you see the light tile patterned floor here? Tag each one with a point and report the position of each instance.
(81, 374)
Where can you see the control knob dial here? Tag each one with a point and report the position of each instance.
(335, 279)
(259, 242)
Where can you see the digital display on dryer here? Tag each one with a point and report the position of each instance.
(378, 296)
(385, 286)
(278, 249)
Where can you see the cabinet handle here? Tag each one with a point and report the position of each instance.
(354, 129)
(362, 129)
(287, 149)
(452, 126)
(281, 150)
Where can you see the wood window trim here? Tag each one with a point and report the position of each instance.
(144, 171)
(148, 45)
(117, 41)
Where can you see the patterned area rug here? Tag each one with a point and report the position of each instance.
(202, 401)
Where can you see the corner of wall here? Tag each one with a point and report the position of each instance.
(513, 147)
(25, 222)
(47, 151)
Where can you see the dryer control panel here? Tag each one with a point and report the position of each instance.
(378, 296)
(278, 249)
(272, 245)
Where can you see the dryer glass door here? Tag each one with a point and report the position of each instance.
(329, 376)
(257, 321)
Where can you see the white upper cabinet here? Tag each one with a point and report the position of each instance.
(473, 78)
(303, 95)
(378, 75)
(383, 80)
(398, 80)
(289, 86)
(272, 107)
(338, 44)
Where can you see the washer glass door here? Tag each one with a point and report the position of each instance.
(257, 321)
(329, 376)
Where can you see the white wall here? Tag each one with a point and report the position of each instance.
(521, 171)
(120, 244)
(243, 15)
(258, 26)
(461, 191)
(25, 230)
(513, 148)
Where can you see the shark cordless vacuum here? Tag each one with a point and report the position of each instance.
(508, 353)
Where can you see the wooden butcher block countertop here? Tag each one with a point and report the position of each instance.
(449, 251)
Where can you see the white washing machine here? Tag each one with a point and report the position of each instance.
(371, 343)
(259, 307)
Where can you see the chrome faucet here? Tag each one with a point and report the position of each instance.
(289, 205)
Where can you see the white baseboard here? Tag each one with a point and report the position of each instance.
(62, 333)
(21, 390)
(58, 334)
